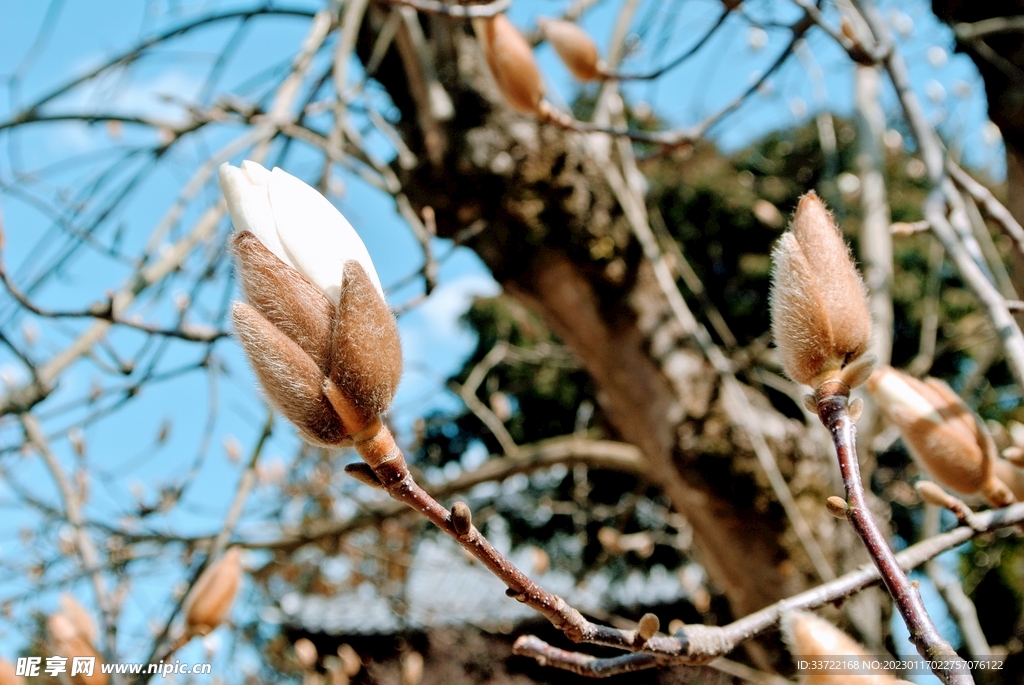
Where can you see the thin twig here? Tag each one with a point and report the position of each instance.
(449, 10)
(833, 410)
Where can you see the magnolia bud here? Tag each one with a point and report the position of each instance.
(512, 63)
(812, 639)
(209, 603)
(316, 319)
(574, 47)
(79, 618)
(69, 643)
(820, 316)
(8, 674)
(941, 433)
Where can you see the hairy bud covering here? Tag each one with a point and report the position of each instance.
(69, 643)
(574, 46)
(316, 316)
(941, 433)
(512, 64)
(812, 638)
(209, 603)
(820, 317)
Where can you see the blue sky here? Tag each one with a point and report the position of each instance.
(122, 452)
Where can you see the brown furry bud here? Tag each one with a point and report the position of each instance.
(574, 46)
(649, 626)
(68, 643)
(213, 594)
(289, 377)
(283, 297)
(366, 353)
(512, 63)
(9, 675)
(820, 317)
(942, 434)
(462, 518)
(812, 638)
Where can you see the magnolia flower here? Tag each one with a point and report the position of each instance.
(316, 328)
(944, 436)
(511, 62)
(574, 47)
(820, 317)
(209, 603)
(813, 639)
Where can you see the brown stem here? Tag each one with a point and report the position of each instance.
(377, 447)
(833, 410)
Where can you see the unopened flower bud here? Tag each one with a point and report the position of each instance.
(213, 594)
(69, 643)
(941, 433)
(511, 63)
(79, 618)
(813, 639)
(316, 318)
(574, 46)
(820, 317)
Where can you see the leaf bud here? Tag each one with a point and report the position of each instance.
(649, 626)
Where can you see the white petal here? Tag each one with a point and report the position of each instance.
(316, 236)
(247, 193)
(893, 393)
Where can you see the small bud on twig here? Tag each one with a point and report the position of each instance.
(362, 472)
(943, 435)
(574, 47)
(213, 594)
(649, 626)
(820, 316)
(462, 518)
(511, 62)
(837, 506)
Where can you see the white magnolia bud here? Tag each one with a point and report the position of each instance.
(295, 222)
(316, 320)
